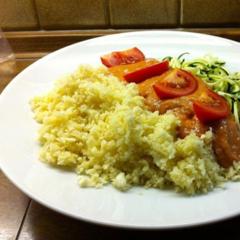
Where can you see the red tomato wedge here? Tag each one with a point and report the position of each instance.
(211, 107)
(147, 72)
(128, 56)
(175, 83)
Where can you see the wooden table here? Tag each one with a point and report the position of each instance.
(23, 218)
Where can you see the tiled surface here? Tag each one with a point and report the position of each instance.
(210, 13)
(42, 223)
(88, 14)
(71, 14)
(13, 205)
(142, 13)
(18, 15)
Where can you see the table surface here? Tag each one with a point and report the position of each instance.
(23, 218)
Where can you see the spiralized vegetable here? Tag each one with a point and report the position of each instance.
(213, 72)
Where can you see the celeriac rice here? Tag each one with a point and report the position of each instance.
(99, 126)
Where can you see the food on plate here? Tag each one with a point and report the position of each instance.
(192, 101)
(175, 83)
(122, 57)
(162, 129)
(211, 107)
(226, 131)
(146, 72)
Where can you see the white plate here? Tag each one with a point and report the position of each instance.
(58, 190)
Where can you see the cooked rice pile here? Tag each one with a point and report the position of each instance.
(99, 126)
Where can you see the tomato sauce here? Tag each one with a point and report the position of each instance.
(226, 142)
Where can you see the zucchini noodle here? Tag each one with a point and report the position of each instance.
(213, 72)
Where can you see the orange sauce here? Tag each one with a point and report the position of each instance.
(226, 143)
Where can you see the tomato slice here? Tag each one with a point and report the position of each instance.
(147, 72)
(211, 107)
(128, 56)
(175, 83)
